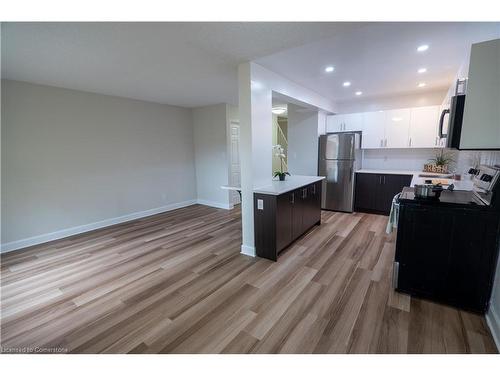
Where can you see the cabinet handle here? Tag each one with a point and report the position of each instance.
(304, 193)
(381, 143)
(314, 189)
(384, 180)
(385, 143)
(292, 198)
(410, 142)
(380, 180)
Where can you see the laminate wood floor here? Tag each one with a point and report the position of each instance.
(176, 283)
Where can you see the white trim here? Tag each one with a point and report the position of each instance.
(248, 250)
(20, 244)
(226, 206)
(494, 323)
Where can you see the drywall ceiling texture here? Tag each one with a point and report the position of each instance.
(381, 59)
(71, 158)
(384, 103)
(188, 64)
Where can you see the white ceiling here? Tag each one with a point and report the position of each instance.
(381, 59)
(194, 64)
(186, 64)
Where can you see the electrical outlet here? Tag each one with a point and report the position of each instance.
(260, 204)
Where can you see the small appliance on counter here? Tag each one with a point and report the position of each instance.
(447, 248)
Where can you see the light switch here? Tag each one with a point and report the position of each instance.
(260, 204)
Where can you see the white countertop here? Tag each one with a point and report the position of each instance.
(464, 184)
(293, 182)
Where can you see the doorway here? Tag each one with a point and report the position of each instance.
(235, 172)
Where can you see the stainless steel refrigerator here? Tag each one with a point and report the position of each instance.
(339, 158)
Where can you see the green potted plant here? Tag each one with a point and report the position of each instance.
(279, 152)
(439, 163)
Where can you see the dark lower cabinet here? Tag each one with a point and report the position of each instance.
(284, 218)
(447, 254)
(374, 192)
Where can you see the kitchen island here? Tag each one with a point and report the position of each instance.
(284, 211)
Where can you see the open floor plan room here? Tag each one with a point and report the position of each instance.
(176, 283)
(246, 188)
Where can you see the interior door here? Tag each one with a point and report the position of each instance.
(235, 160)
(424, 123)
(397, 128)
(373, 130)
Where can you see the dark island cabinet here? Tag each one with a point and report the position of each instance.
(281, 219)
(447, 255)
(374, 192)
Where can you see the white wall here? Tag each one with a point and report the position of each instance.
(383, 103)
(73, 161)
(256, 86)
(211, 154)
(302, 141)
(414, 159)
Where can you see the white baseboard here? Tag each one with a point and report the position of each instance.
(36, 240)
(493, 321)
(226, 206)
(248, 250)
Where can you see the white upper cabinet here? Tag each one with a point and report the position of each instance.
(424, 127)
(353, 122)
(334, 123)
(373, 135)
(481, 122)
(344, 123)
(397, 128)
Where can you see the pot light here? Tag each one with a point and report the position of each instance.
(422, 48)
(329, 69)
(358, 93)
(346, 84)
(422, 84)
(396, 119)
(422, 70)
(279, 110)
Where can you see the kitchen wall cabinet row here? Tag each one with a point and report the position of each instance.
(281, 219)
(401, 128)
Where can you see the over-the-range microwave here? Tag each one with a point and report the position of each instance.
(456, 114)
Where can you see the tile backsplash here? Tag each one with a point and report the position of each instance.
(414, 159)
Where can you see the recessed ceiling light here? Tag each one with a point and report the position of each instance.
(279, 110)
(358, 93)
(396, 119)
(329, 69)
(423, 47)
(346, 84)
(422, 70)
(422, 84)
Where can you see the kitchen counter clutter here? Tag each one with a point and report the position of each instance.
(277, 187)
(284, 211)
